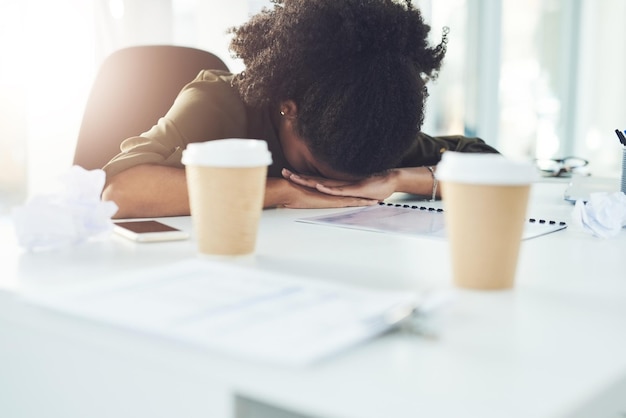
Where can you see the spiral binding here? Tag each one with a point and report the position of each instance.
(431, 209)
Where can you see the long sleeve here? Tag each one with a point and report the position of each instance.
(207, 108)
(427, 150)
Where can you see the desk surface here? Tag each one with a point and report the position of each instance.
(551, 347)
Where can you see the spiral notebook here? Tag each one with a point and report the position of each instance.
(414, 220)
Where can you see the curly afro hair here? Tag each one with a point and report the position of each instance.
(356, 69)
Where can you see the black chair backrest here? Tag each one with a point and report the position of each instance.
(134, 87)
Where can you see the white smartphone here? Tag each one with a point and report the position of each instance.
(148, 231)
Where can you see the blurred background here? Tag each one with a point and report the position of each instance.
(535, 79)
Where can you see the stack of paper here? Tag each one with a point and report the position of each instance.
(238, 311)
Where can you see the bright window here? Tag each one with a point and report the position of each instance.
(539, 78)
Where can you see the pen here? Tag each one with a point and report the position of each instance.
(620, 136)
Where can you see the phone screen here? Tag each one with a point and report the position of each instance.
(143, 227)
(148, 231)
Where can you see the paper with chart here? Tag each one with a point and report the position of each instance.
(238, 311)
(413, 220)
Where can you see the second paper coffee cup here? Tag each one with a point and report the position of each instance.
(485, 198)
(226, 181)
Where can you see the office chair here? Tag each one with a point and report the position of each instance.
(133, 88)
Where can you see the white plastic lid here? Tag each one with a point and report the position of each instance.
(475, 168)
(232, 152)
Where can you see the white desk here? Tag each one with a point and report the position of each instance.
(555, 346)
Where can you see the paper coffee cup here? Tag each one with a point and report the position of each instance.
(485, 200)
(226, 181)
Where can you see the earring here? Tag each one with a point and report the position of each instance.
(282, 113)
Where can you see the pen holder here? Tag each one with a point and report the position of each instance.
(623, 170)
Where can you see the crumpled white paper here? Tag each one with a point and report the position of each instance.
(72, 215)
(604, 215)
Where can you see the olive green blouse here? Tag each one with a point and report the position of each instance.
(211, 108)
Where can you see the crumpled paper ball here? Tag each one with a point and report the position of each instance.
(72, 215)
(604, 214)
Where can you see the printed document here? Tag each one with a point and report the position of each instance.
(237, 310)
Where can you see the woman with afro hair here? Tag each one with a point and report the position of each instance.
(337, 88)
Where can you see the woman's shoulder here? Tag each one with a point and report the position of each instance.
(217, 82)
(215, 76)
(210, 87)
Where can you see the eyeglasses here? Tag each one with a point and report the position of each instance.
(562, 167)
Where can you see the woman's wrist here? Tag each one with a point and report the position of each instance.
(276, 190)
(433, 195)
(417, 180)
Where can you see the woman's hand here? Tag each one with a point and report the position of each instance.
(288, 194)
(376, 187)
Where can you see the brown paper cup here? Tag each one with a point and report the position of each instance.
(485, 199)
(226, 183)
(226, 205)
(484, 225)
